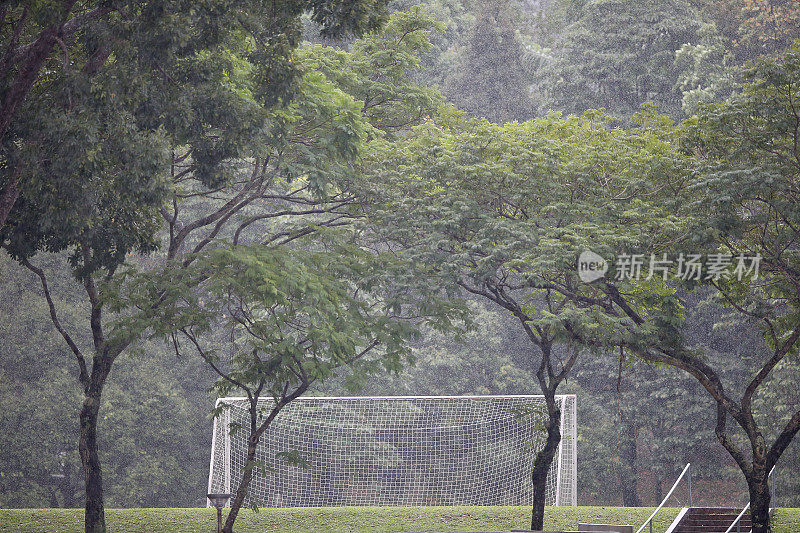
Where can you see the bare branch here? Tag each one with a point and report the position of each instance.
(211, 218)
(284, 400)
(285, 212)
(782, 442)
(12, 43)
(65, 30)
(776, 358)
(84, 374)
(207, 358)
(727, 442)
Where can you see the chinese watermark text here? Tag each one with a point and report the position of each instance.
(713, 267)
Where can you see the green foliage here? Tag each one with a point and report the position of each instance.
(618, 55)
(767, 27)
(307, 305)
(515, 205)
(209, 130)
(707, 69)
(156, 102)
(503, 212)
(739, 198)
(447, 364)
(33, 398)
(745, 150)
(490, 78)
(441, 60)
(287, 314)
(375, 71)
(148, 408)
(202, 77)
(628, 434)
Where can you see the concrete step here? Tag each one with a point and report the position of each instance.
(714, 519)
(711, 520)
(708, 529)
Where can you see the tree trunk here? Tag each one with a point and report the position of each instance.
(756, 472)
(541, 466)
(759, 503)
(68, 487)
(95, 521)
(28, 68)
(53, 498)
(627, 466)
(657, 493)
(244, 484)
(8, 197)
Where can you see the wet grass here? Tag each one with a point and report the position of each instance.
(348, 519)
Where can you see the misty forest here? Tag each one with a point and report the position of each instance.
(282, 200)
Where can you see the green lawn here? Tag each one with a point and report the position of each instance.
(356, 519)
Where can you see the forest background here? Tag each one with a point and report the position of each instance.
(504, 60)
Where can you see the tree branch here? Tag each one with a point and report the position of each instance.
(65, 30)
(207, 359)
(8, 56)
(84, 374)
(782, 442)
(727, 442)
(776, 358)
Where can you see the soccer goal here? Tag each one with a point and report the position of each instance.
(396, 451)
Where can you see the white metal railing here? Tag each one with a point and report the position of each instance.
(738, 522)
(686, 469)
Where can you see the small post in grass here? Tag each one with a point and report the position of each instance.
(219, 501)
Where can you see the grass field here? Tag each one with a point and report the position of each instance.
(355, 519)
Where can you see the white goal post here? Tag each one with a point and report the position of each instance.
(396, 451)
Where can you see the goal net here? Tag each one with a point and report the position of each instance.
(396, 451)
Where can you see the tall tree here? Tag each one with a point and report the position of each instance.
(494, 209)
(174, 94)
(84, 39)
(296, 302)
(748, 171)
(153, 401)
(617, 56)
(283, 317)
(739, 203)
(490, 79)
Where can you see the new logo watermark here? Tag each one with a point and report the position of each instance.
(591, 266)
